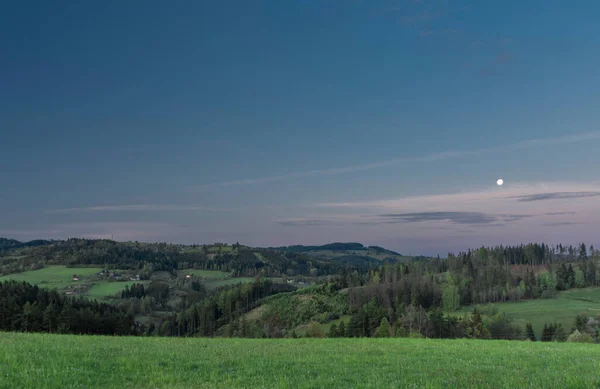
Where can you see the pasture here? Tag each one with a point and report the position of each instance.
(52, 276)
(561, 309)
(104, 289)
(69, 362)
(207, 274)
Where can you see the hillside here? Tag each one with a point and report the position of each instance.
(562, 309)
(64, 361)
(350, 254)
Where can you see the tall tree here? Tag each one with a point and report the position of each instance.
(530, 333)
(450, 296)
(383, 331)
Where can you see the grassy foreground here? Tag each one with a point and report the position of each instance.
(64, 361)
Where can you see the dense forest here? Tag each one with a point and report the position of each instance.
(25, 307)
(398, 298)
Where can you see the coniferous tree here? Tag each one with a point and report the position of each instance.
(333, 331)
(529, 332)
(559, 334)
(570, 276)
(383, 331)
(546, 337)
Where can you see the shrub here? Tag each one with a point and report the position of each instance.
(315, 330)
(580, 337)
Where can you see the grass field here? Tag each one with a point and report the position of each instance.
(213, 284)
(68, 362)
(214, 278)
(52, 276)
(562, 309)
(208, 274)
(105, 289)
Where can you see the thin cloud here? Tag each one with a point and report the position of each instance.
(560, 224)
(509, 218)
(305, 223)
(453, 217)
(140, 207)
(559, 213)
(434, 157)
(556, 196)
(468, 218)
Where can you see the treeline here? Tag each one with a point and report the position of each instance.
(24, 307)
(475, 277)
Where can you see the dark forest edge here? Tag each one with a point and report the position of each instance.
(402, 299)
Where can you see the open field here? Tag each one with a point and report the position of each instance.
(212, 284)
(107, 289)
(208, 274)
(52, 276)
(214, 278)
(60, 277)
(66, 361)
(562, 309)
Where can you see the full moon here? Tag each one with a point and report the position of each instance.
(500, 182)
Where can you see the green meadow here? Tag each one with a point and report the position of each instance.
(108, 289)
(52, 276)
(69, 362)
(60, 277)
(207, 274)
(561, 309)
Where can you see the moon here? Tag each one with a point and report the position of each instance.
(500, 182)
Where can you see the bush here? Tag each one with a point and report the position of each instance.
(315, 330)
(580, 337)
(400, 331)
(501, 326)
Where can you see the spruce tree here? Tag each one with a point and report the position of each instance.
(530, 332)
(342, 330)
(559, 334)
(383, 331)
(333, 331)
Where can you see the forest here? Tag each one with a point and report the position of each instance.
(410, 298)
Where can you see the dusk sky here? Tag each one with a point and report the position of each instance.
(302, 122)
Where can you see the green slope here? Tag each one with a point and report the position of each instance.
(561, 309)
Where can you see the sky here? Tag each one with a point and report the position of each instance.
(275, 123)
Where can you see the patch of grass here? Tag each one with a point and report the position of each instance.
(208, 274)
(53, 276)
(101, 290)
(561, 309)
(68, 362)
(212, 284)
(301, 329)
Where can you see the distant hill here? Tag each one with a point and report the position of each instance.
(6, 244)
(337, 246)
(351, 253)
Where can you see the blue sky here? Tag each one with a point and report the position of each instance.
(301, 122)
